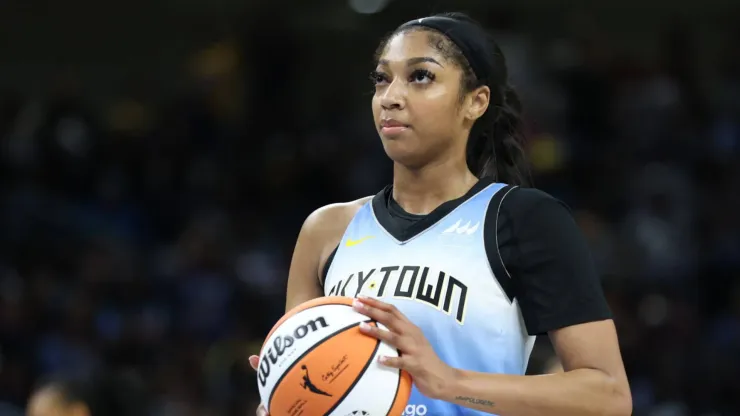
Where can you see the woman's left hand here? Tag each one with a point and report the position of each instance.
(430, 374)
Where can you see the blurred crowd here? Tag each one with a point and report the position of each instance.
(156, 236)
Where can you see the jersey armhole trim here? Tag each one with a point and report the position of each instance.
(324, 273)
(491, 243)
(327, 265)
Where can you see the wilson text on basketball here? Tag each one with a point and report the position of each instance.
(283, 343)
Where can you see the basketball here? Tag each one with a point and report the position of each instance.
(315, 361)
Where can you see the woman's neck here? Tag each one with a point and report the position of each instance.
(420, 191)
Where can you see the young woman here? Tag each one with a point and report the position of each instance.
(463, 266)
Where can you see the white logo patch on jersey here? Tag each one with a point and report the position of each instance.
(467, 229)
(459, 234)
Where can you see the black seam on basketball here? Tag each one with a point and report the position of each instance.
(398, 387)
(359, 376)
(321, 341)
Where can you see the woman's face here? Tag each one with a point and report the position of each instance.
(49, 402)
(417, 107)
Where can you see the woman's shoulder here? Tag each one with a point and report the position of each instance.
(328, 223)
(337, 214)
(522, 203)
(521, 197)
(325, 227)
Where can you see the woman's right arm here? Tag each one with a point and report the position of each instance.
(303, 277)
(319, 236)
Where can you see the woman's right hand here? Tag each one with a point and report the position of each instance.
(254, 361)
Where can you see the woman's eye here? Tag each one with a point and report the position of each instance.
(422, 76)
(378, 77)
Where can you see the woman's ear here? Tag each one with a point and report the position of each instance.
(477, 102)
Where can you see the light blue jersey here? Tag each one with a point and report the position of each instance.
(441, 280)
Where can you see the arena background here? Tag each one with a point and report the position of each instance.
(159, 156)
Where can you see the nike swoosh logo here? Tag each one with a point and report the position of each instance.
(350, 242)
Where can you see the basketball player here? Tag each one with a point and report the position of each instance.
(98, 395)
(464, 267)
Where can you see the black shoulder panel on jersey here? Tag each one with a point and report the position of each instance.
(491, 242)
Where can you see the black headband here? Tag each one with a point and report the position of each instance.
(468, 37)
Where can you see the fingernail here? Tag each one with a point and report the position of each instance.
(383, 359)
(357, 304)
(364, 326)
(363, 296)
